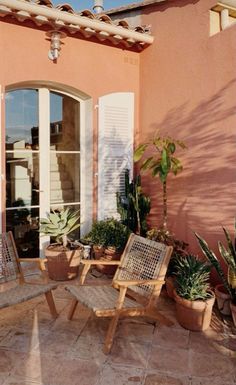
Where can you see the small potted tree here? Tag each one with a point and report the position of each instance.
(108, 238)
(62, 258)
(193, 296)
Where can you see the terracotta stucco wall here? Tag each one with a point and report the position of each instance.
(88, 66)
(188, 91)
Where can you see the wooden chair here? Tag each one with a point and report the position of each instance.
(135, 288)
(11, 270)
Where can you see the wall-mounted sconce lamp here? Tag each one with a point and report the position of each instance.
(55, 38)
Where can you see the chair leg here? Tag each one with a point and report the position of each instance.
(73, 306)
(110, 334)
(51, 304)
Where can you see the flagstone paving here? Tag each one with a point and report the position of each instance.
(36, 350)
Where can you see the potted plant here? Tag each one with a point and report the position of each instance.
(194, 299)
(63, 258)
(161, 164)
(108, 238)
(133, 205)
(179, 250)
(225, 299)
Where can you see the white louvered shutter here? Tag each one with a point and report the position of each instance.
(115, 149)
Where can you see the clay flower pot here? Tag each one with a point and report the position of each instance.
(170, 286)
(233, 312)
(62, 264)
(223, 299)
(194, 315)
(107, 254)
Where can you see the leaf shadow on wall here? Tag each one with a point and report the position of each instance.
(203, 196)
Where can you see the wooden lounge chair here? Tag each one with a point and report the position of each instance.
(11, 270)
(135, 288)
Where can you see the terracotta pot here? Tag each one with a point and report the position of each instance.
(108, 254)
(194, 315)
(222, 299)
(62, 264)
(98, 251)
(170, 286)
(233, 312)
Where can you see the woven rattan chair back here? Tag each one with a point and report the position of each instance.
(143, 259)
(10, 268)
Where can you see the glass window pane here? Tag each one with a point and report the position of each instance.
(65, 178)
(22, 179)
(22, 119)
(24, 223)
(64, 123)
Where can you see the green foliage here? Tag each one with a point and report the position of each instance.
(162, 163)
(58, 225)
(108, 232)
(179, 247)
(192, 276)
(228, 255)
(134, 206)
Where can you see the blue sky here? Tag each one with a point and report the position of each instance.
(88, 4)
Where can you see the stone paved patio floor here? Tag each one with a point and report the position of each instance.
(36, 350)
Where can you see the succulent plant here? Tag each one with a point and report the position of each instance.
(192, 278)
(59, 225)
(228, 255)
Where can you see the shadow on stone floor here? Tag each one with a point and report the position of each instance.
(36, 350)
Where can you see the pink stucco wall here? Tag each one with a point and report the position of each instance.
(90, 67)
(188, 91)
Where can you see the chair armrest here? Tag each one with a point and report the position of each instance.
(124, 283)
(89, 263)
(99, 262)
(39, 261)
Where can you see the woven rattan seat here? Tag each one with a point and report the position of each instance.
(135, 288)
(10, 270)
(23, 293)
(100, 297)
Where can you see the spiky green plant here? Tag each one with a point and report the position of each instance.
(192, 278)
(228, 255)
(58, 225)
(133, 206)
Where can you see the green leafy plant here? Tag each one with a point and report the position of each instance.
(58, 225)
(228, 255)
(179, 247)
(161, 164)
(192, 278)
(133, 206)
(108, 232)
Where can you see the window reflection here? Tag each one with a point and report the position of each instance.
(24, 223)
(22, 179)
(64, 123)
(22, 119)
(65, 178)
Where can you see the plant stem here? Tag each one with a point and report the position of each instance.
(64, 240)
(164, 206)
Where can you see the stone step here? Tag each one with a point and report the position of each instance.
(64, 184)
(60, 196)
(58, 176)
(57, 167)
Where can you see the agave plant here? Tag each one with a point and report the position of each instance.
(59, 225)
(228, 255)
(192, 278)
